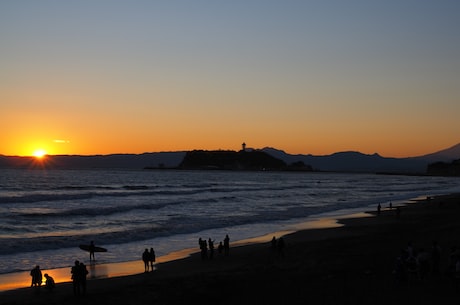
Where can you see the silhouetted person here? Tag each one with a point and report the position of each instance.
(211, 248)
(83, 272)
(49, 282)
(379, 208)
(273, 249)
(146, 259)
(220, 248)
(152, 258)
(280, 246)
(203, 248)
(226, 245)
(200, 244)
(91, 251)
(76, 277)
(36, 275)
(273, 243)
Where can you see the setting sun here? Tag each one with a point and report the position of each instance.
(39, 153)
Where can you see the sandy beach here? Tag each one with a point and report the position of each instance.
(350, 264)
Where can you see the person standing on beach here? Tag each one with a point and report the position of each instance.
(75, 271)
(91, 251)
(226, 245)
(203, 248)
(152, 258)
(83, 272)
(146, 259)
(273, 243)
(211, 248)
(220, 248)
(273, 248)
(36, 275)
(280, 246)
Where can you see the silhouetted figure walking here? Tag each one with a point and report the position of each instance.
(226, 245)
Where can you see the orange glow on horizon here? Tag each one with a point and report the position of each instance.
(123, 142)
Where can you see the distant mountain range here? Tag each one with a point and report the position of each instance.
(349, 161)
(352, 161)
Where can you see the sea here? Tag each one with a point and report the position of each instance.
(46, 214)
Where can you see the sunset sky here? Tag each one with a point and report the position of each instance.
(308, 77)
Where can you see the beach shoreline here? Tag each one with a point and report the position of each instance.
(326, 264)
(19, 280)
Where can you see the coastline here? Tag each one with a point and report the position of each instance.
(348, 264)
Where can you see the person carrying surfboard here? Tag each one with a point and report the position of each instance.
(91, 251)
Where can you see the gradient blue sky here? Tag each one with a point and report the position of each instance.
(101, 77)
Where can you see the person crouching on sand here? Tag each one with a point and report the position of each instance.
(49, 282)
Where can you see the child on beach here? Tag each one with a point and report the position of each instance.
(49, 282)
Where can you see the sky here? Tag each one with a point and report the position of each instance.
(307, 77)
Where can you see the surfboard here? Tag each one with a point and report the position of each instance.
(96, 249)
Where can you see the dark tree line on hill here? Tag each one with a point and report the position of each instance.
(444, 168)
(241, 160)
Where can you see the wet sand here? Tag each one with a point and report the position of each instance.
(352, 264)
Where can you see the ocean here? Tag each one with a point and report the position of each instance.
(46, 214)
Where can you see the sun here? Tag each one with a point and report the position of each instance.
(39, 153)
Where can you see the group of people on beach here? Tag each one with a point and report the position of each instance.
(278, 246)
(79, 273)
(207, 247)
(37, 279)
(149, 258)
(390, 207)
